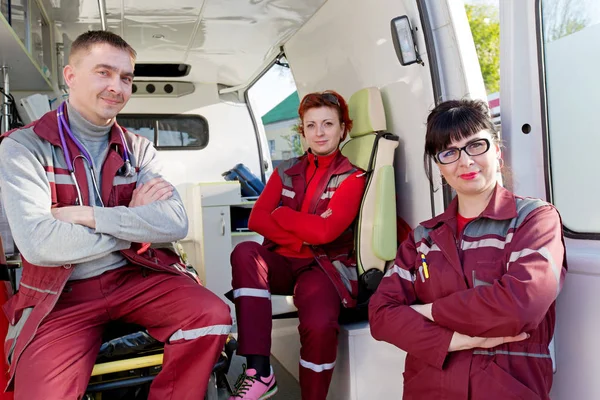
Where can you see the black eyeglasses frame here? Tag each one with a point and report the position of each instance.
(464, 148)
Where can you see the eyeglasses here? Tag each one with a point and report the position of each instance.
(328, 97)
(452, 154)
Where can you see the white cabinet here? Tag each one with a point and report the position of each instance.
(217, 247)
(210, 240)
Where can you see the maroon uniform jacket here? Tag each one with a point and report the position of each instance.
(336, 258)
(499, 278)
(41, 286)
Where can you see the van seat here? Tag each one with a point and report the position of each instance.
(372, 149)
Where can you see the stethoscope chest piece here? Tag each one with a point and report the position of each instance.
(127, 169)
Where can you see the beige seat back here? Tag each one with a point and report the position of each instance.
(372, 149)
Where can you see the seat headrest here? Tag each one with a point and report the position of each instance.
(366, 112)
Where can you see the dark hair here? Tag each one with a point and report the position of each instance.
(324, 99)
(86, 40)
(454, 120)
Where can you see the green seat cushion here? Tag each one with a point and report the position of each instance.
(358, 150)
(384, 226)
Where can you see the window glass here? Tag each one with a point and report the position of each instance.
(571, 32)
(168, 131)
(18, 17)
(37, 32)
(274, 101)
(139, 126)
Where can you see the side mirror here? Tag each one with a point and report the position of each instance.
(404, 41)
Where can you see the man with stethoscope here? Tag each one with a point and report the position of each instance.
(84, 199)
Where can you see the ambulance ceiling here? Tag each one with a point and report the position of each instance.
(225, 41)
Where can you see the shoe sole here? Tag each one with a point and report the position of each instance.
(269, 394)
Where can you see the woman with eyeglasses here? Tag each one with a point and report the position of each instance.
(305, 214)
(471, 297)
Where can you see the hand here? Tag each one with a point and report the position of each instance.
(81, 215)
(151, 191)
(327, 213)
(488, 343)
(464, 342)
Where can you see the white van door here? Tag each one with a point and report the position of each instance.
(348, 45)
(549, 96)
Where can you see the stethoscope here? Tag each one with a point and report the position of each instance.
(125, 170)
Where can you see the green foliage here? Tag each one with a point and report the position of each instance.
(562, 18)
(294, 142)
(485, 27)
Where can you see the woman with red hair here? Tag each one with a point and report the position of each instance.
(306, 215)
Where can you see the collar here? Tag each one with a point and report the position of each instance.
(84, 129)
(502, 206)
(47, 128)
(338, 164)
(321, 161)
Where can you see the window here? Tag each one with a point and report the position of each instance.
(571, 32)
(169, 132)
(272, 146)
(18, 17)
(40, 38)
(296, 143)
(484, 20)
(274, 102)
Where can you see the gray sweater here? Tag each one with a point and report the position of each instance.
(43, 240)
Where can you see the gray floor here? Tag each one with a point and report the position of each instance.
(289, 389)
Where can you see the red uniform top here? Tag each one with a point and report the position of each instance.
(293, 230)
(461, 222)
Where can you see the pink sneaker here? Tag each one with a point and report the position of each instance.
(250, 386)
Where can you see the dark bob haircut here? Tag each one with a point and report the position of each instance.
(452, 121)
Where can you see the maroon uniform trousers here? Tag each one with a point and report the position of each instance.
(258, 273)
(191, 321)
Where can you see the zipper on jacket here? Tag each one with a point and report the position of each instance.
(459, 242)
(459, 239)
(311, 178)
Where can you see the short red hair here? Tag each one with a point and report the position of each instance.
(324, 99)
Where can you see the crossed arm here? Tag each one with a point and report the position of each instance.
(321, 229)
(395, 317)
(293, 229)
(261, 220)
(54, 238)
(480, 317)
(156, 189)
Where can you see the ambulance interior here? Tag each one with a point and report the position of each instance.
(198, 96)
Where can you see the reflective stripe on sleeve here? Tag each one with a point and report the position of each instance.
(404, 274)
(251, 292)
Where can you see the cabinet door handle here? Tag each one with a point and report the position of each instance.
(222, 224)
